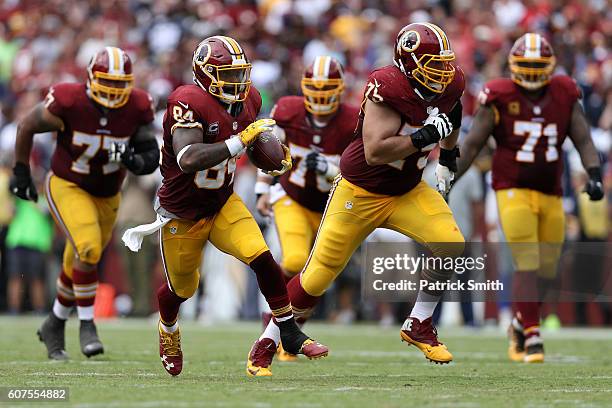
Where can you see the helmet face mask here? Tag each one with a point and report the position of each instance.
(221, 68)
(531, 62)
(322, 86)
(110, 79)
(424, 55)
(436, 72)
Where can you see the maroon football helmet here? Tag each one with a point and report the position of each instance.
(110, 79)
(322, 85)
(221, 68)
(423, 53)
(532, 61)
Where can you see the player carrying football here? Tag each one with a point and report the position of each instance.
(206, 126)
(317, 127)
(103, 128)
(529, 116)
(407, 108)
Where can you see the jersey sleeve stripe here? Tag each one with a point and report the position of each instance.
(187, 125)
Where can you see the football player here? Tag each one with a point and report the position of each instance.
(407, 109)
(206, 126)
(317, 127)
(104, 127)
(529, 115)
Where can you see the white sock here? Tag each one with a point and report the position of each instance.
(169, 329)
(424, 306)
(85, 312)
(272, 332)
(60, 311)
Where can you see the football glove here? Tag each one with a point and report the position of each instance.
(316, 162)
(287, 163)
(250, 133)
(437, 127)
(21, 183)
(124, 154)
(594, 187)
(116, 152)
(441, 122)
(445, 170)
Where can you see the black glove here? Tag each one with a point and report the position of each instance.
(21, 183)
(448, 158)
(317, 163)
(124, 154)
(594, 187)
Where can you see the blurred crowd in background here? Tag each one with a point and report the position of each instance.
(50, 41)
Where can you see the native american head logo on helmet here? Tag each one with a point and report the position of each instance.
(423, 53)
(221, 68)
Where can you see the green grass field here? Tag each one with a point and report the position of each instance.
(367, 367)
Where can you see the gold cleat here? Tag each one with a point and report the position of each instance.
(516, 347)
(285, 356)
(425, 337)
(260, 357)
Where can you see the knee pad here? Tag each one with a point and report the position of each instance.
(293, 262)
(89, 252)
(185, 286)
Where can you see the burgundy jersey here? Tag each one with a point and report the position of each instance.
(390, 86)
(305, 186)
(202, 194)
(81, 153)
(529, 133)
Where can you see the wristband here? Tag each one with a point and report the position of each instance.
(234, 145)
(261, 187)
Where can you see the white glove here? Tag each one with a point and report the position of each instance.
(116, 151)
(441, 122)
(444, 179)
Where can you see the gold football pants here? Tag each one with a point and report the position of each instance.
(87, 221)
(352, 213)
(233, 230)
(529, 217)
(297, 227)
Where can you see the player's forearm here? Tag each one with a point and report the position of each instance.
(388, 150)
(201, 156)
(482, 126)
(450, 142)
(23, 144)
(38, 120)
(580, 133)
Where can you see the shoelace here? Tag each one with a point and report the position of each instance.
(171, 343)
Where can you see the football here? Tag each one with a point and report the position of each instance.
(266, 152)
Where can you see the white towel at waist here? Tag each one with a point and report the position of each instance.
(132, 238)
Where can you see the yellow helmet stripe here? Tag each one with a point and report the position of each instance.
(442, 35)
(318, 69)
(235, 45)
(116, 58)
(532, 45)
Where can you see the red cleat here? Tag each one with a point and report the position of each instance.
(170, 351)
(260, 358)
(313, 349)
(425, 336)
